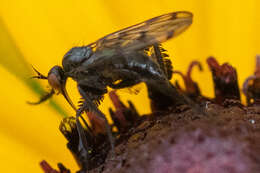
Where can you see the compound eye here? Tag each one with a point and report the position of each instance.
(56, 78)
(55, 81)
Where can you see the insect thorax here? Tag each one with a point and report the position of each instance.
(75, 57)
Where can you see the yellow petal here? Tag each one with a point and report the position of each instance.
(42, 32)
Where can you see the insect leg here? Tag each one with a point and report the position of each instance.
(162, 89)
(165, 64)
(91, 107)
(163, 95)
(83, 144)
(158, 56)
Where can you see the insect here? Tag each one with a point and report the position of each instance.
(118, 60)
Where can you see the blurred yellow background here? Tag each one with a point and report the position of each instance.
(40, 33)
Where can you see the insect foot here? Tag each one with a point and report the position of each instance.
(225, 81)
(251, 86)
(98, 144)
(97, 148)
(123, 116)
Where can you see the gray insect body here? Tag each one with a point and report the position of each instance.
(75, 57)
(97, 71)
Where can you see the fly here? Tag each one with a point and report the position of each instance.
(118, 60)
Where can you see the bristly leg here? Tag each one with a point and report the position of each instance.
(225, 81)
(162, 58)
(83, 143)
(97, 123)
(161, 92)
(88, 156)
(91, 107)
(77, 137)
(251, 86)
(158, 54)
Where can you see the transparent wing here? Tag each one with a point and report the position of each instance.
(147, 33)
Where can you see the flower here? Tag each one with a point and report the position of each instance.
(40, 32)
